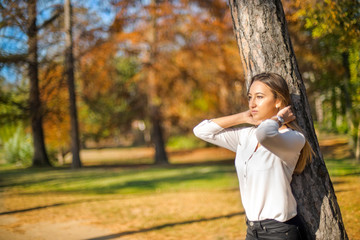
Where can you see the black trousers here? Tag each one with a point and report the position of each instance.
(274, 230)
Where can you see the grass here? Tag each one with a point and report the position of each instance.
(144, 179)
(146, 202)
(342, 167)
(180, 201)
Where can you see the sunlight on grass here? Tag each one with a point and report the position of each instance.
(135, 180)
(342, 167)
(138, 179)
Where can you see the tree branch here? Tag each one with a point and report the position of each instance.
(13, 58)
(53, 18)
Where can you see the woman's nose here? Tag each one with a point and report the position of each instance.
(252, 103)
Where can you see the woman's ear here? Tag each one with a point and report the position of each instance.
(278, 104)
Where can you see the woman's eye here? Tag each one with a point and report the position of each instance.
(259, 97)
(249, 98)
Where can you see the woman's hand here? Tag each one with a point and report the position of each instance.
(248, 118)
(286, 114)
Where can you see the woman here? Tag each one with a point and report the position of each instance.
(267, 155)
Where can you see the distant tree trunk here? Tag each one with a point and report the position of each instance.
(154, 102)
(357, 151)
(319, 108)
(69, 74)
(347, 95)
(333, 108)
(40, 157)
(157, 136)
(225, 84)
(263, 39)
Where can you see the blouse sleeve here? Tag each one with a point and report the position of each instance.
(211, 132)
(286, 145)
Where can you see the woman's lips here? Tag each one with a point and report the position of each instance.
(254, 112)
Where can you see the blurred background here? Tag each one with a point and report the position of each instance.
(144, 73)
(179, 56)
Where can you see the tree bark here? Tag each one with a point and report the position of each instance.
(40, 157)
(263, 39)
(69, 74)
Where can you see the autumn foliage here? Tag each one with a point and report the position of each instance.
(180, 56)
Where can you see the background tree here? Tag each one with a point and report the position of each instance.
(19, 20)
(69, 74)
(40, 157)
(52, 84)
(264, 43)
(155, 110)
(335, 30)
(192, 61)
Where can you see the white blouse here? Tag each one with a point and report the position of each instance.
(265, 174)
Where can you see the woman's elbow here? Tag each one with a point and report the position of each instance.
(196, 131)
(199, 133)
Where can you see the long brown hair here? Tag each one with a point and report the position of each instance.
(280, 89)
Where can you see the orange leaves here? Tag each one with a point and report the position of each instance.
(186, 53)
(96, 69)
(54, 96)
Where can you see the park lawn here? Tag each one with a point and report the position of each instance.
(194, 201)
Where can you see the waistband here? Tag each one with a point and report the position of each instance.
(269, 223)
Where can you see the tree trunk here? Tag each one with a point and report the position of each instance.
(347, 95)
(69, 74)
(357, 150)
(157, 136)
(319, 108)
(153, 100)
(40, 157)
(334, 115)
(263, 39)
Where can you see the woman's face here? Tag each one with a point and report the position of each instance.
(262, 102)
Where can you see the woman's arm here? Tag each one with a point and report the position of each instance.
(284, 145)
(218, 131)
(236, 119)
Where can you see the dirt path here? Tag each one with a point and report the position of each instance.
(13, 228)
(71, 230)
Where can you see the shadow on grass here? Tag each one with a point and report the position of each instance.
(336, 182)
(345, 190)
(54, 205)
(34, 208)
(154, 228)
